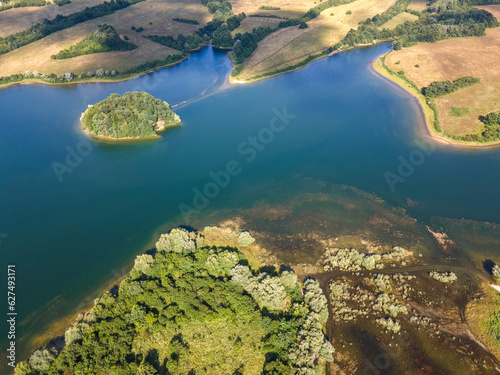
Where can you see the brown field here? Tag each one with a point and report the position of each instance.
(452, 59)
(289, 46)
(398, 20)
(289, 9)
(36, 56)
(418, 5)
(249, 23)
(18, 19)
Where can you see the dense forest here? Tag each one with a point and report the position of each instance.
(104, 39)
(47, 27)
(195, 309)
(134, 115)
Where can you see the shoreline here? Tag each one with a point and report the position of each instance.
(129, 139)
(377, 66)
(32, 81)
(321, 55)
(85, 130)
(427, 113)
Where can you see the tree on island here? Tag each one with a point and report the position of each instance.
(135, 115)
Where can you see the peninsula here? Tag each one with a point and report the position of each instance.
(131, 116)
(195, 308)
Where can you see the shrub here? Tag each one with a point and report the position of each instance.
(397, 45)
(289, 279)
(245, 239)
(221, 264)
(310, 346)
(177, 241)
(184, 20)
(444, 277)
(75, 333)
(143, 262)
(496, 271)
(23, 368)
(268, 291)
(42, 359)
(316, 300)
(392, 308)
(389, 324)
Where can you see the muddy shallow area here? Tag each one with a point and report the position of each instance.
(431, 334)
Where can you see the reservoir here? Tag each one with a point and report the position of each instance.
(75, 212)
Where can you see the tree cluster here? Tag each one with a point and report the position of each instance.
(491, 130)
(22, 3)
(62, 2)
(439, 88)
(245, 44)
(221, 9)
(104, 39)
(184, 20)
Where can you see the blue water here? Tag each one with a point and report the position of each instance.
(69, 234)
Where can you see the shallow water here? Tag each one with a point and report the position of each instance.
(70, 234)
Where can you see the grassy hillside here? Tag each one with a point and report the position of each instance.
(104, 39)
(289, 46)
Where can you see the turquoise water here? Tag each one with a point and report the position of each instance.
(69, 234)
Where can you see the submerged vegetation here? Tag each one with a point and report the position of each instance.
(104, 39)
(135, 115)
(191, 308)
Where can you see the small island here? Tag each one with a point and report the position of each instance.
(131, 116)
